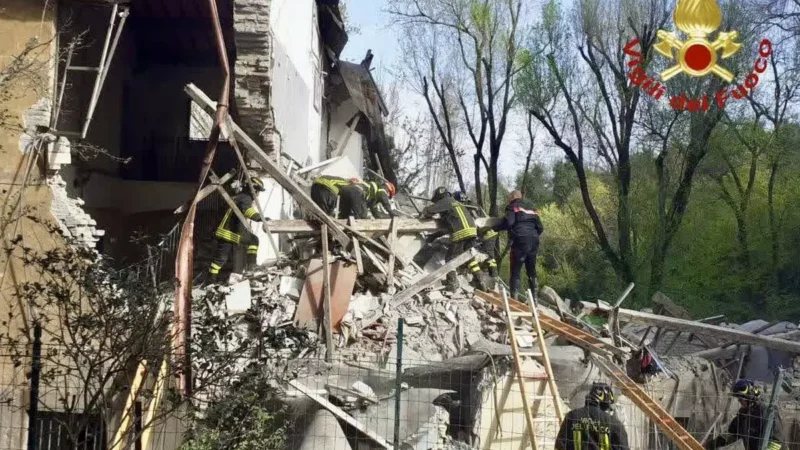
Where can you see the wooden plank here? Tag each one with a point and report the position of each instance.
(125, 421)
(512, 336)
(320, 165)
(616, 333)
(231, 204)
(424, 283)
(665, 422)
(576, 336)
(326, 295)
(347, 134)
(730, 350)
(158, 394)
(428, 280)
(673, 309)
(404, 226)
(357, 251)
(336, 411)
(272, 168)
(709, 330)
(205, 192)
(392, 241)
(225, 126)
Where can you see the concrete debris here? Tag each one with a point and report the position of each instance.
(456, 358)
(325, 432)
(238, 300)
(291, 287)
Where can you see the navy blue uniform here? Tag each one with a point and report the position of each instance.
(524, 227)
(749, 426)
(591, 428)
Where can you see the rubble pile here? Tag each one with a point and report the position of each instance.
(455, 360)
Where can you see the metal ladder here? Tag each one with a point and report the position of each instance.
(533, 317)
(119, 14)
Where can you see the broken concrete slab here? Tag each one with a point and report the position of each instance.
(409, 245)
(310, 306)
(420, 419)
(324, 432)
(238, 300)
(290, 287)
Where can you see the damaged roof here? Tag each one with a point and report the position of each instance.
(358, 84)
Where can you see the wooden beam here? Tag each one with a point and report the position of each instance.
(404, 226)
(730, 351)
(336, 411)
(423, 283)
(272, 168)
(709, 330)
(205, 192)
(357, 250)
(231, 204)
(158, 394)
(392, 241)
(326, 295)
(320, 165)
(225, 128)
(125, 420)
(347, 134)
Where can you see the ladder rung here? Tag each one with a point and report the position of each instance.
(84, 68)
(545, 419)
(520, 314)
(531, 354)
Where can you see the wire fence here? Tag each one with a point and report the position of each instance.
(471, 401)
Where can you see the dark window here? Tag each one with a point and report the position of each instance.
(70, 431)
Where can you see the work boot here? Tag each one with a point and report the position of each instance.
(480, 282)
(207, 279)
(250, 263)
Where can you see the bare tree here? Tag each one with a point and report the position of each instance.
(580, 91)
(484, 37)
(773, 99)
(99, 325)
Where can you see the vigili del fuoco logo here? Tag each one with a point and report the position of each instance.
(696, 56)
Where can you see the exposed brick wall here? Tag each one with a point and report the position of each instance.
(253, 70)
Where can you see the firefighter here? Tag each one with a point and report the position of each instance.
(750, 422)
(358, 196)
(487, 239)
(231, 232)
(524, 228)
(594, 426)
(461, 227)
(325, 192)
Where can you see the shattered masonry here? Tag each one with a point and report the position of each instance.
(253, 71)
(75, 223)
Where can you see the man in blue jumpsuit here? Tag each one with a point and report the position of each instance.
(524, 228)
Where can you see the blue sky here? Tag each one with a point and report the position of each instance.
(376, 34)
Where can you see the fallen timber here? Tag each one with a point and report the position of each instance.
(404, 226)
(730, 334)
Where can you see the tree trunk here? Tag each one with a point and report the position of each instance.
(624, 212)
(773, 223)
(528, 158)
(493, 179)
(478, 188)
(659, 254)
(454, 160)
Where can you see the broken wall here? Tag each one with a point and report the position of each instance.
(297, 78)
(335, 130)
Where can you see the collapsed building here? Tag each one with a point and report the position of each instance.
(122, 132)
